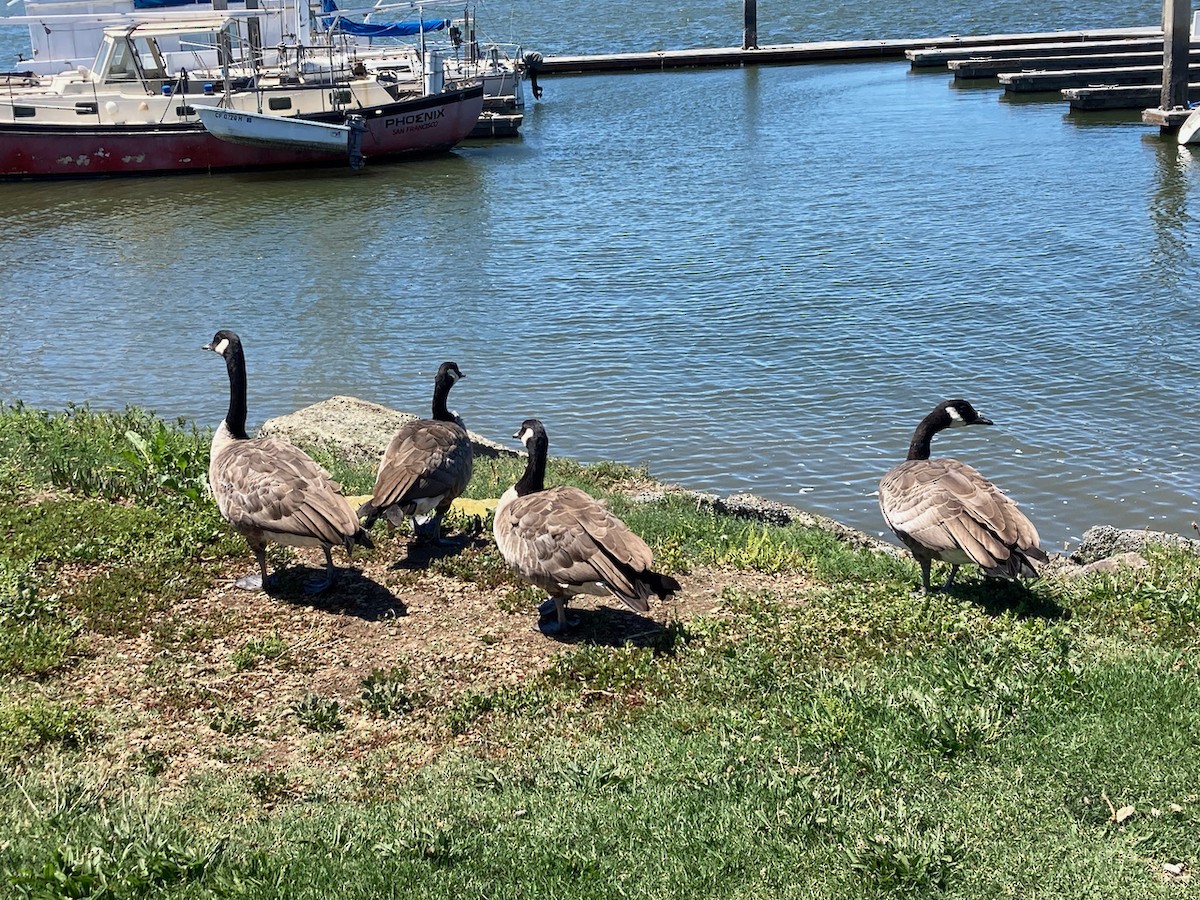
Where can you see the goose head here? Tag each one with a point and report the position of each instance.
(947, 414)
(224, 343)
(960, 413)
(529, 432)
(449, 372)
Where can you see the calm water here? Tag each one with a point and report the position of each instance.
(746, 280)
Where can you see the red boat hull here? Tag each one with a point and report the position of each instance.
(410, 128)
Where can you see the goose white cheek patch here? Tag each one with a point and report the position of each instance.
(220, 348)
(955, 415)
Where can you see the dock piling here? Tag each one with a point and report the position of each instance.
(749, 24)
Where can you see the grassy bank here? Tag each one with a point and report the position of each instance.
(796, 724)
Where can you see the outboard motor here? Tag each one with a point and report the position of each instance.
(533, 61)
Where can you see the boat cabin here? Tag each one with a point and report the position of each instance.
(160, 55)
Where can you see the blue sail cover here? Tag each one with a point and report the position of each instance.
(392, 29)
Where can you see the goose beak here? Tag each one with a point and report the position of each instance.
(207, 347)
(517, 435)
(983, 420)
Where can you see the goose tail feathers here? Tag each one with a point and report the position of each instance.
(662, 586)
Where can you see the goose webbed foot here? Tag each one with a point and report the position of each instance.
(552, 626)
(431, 533)
(251, 582)
(317, 585)
(260, 580)
(556, 620)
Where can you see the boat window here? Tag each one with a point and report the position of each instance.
(121, 66)
(279, 102)
(103, 55)
(150, 58)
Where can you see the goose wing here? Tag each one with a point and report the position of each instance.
(270, 485)
(563, 537)
(425, 458)
(944, 505)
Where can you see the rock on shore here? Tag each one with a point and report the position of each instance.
(355, 430)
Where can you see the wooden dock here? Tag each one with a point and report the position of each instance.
(1110, 97)
(831, 51)
(1047, 81)
(978, 68)
(1092, 55)
(1145, 41)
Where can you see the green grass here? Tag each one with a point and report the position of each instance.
(256, 651)
(833, 735)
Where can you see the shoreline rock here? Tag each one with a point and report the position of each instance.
(358, 430)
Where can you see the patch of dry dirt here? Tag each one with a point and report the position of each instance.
(170, 693)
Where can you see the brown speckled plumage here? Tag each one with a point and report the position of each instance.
(566, 542)
(427, 464)
(946, 510)
(270, 490)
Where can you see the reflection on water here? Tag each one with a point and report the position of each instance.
(1169, 211)
(746, 279)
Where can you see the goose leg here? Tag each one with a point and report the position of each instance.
(953, 572)
(925, 564)
(432, 532)
(256, 581)
(550, 604)
(319, 584)
(562, 621)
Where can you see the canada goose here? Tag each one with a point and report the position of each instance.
(566, 542)
(269, 490)
(426, 466)
(944, 509)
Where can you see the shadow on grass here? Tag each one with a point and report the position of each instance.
(422, 554)
(352, 594)
(996, 597)
(609, 626)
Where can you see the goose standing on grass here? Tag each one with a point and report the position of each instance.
(944, 509)
(426, 466)
(566, 542)
(270, 490)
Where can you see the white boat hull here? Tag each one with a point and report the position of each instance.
(1189, 131)
(259, 130)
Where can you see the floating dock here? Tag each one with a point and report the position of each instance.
(940, 57)
(976, 68)
(834, 51)
(1095, 69)
(1110, 97)
(1043, 82)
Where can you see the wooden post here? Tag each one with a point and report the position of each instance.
(1177, 24)
(750, 24)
